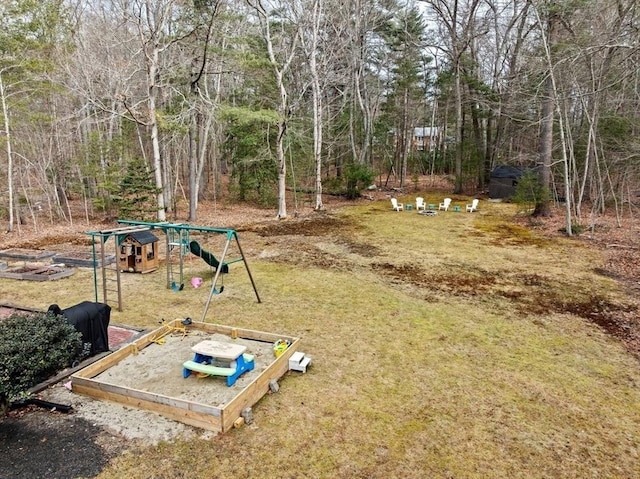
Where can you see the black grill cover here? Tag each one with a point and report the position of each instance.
(91, 320)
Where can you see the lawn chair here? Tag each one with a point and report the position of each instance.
(445, 204)
(397, 206)
(473, 206)
(420, 204)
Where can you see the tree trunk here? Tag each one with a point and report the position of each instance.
(543, 207)
(317, 103)
(155, 144)
(7, 134)
(279, 69)
(459, 131)
(193, 160)
(543, 202)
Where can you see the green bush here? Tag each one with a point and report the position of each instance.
(358, 176)
(576, 229)
(35, 347)
(529, 192)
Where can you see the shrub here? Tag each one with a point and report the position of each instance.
(529, 192)
(34, 347)
(576, 229)
(358, 176)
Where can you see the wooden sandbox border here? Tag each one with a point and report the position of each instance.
(38, 273)
(204, 416)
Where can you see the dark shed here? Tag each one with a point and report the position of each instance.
(504, 179)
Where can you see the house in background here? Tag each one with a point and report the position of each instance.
(426, 138)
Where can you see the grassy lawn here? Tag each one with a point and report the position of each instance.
(458, 345)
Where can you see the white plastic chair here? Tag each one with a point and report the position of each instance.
(397, 206)
(420, 204)
(445, 204)
(473, 206)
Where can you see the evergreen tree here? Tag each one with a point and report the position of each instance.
(136, 199)
(404, 34)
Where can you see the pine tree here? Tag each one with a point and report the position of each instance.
(137, 194)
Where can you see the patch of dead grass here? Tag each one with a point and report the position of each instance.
(441, 347)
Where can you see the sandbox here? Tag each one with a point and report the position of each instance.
(148, 374)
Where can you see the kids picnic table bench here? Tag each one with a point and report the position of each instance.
(216, 358)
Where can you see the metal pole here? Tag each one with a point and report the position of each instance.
(95, 268)
(168, 257)
(104, 272)
(215, 279)
(246, 265)
(116, 239)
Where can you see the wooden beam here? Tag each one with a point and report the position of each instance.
(253, 392)
(219, 419)
(193, 414)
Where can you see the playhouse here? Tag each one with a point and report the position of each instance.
(139, 252)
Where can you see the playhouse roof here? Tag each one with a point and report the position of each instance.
(143, 237)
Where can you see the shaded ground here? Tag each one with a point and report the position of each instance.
(36, 443)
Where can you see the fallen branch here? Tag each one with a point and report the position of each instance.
(613, 245)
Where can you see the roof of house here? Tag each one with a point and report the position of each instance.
(422, 131)
(143, 237)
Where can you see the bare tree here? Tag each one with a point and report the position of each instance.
(8, 146)
(199, 132)
(458, 19)
(317, 11)
(280, 60)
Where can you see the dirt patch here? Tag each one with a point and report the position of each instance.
(513, 234)
(361, 249)
(618, 320)
(531, 294)
(320, 224)
(60, 239)
(460, 280)
(320, 240)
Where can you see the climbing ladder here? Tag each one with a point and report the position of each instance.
(108, 281)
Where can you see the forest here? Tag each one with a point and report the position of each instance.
(136, 107)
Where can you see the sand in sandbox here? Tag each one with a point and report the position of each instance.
(158, 369)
